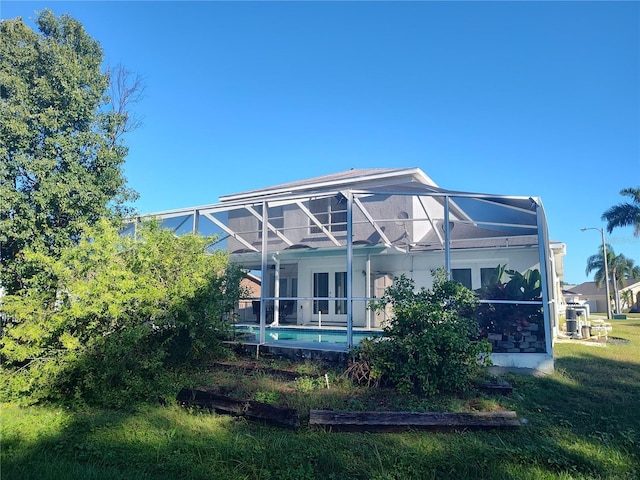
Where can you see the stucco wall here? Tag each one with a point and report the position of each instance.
(415, 266)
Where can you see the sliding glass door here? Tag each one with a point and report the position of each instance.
(330, 290)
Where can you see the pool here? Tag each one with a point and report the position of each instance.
(251, 333)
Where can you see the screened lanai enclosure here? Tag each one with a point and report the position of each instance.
(318, 252)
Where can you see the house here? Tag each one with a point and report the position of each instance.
(325, 247)
(595, 296)
(630, 296)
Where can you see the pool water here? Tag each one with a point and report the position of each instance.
(307, 335)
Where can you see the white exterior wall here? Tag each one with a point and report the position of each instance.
(418, 266)
(306, 269)
(415, 266)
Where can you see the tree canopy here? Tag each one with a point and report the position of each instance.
(89, 315)
(621, 268)
(595, 263)
(106, 320)
(61, 151)
(625, 214)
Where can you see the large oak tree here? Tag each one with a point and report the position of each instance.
(61, 148)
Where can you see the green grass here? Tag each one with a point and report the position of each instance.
(583, 422)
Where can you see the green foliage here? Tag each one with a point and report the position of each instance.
(521, 286)
(431, 344)
(103, 321)
(307, 384)
(583, 423)
(512, 319)
(625, 214)
(595, 263)
(267, 397)
(61, 152)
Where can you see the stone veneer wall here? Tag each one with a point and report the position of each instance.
(529, 340)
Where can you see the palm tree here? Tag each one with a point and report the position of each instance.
(625, 214)
(596, 262)
(627, 298)
(622, 269)
(626, 269)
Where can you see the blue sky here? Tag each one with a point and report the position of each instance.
(523, 98)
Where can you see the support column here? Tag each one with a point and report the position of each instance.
(264, 286)
(447, 239)
(543, 253)
(367, 289)
(276, 291)
(196, 222)
(349, 269)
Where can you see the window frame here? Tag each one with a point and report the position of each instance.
(331, 212)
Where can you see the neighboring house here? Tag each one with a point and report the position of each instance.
(631, 291)
(325, 247)
(595, 297)
(252, 286)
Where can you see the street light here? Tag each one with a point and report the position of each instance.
(606, 266)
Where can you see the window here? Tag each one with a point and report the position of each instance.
(462, 275)
(341, 291)
(321, 289)
(330, 212)
(326, 301)
(284, 283)
(276, 218)
(475, 277)
(488, 276)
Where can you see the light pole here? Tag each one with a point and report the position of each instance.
(606, 267)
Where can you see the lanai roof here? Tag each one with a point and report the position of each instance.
(482, 220)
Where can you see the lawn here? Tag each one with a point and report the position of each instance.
(583, 421)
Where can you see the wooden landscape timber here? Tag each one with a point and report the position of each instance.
(402, 421)
(286, 417)
(501, 387)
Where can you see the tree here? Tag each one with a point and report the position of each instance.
(596, 263)
(621, 268)
(108, 319)
(628, 301)
(625, 214)
(61, 151)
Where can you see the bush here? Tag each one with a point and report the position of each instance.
(103, 323)
(431, 344)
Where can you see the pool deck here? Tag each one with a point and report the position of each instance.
(313, 327)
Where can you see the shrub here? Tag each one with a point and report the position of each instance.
(431, 344)
(104, 321)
